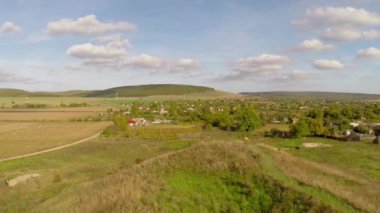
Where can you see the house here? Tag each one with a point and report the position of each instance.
(137, 122)
(354, 124)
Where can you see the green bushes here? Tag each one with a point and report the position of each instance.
(120, 127)
(243, 119)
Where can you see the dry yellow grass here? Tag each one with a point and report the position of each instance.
(10, 126)
(49, 114)
(25, 138)
(360, 191)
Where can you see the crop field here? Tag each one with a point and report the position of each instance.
(186, 161)
(50, 114)
(8, 102)
(17, 138)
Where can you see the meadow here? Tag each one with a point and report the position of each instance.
(18, 138)
(186, 166)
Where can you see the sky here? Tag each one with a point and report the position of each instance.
(231, 45)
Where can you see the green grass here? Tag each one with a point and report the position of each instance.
(74, 165)
(270, 168)
(217, 172)
(359, 157)
(189, 192)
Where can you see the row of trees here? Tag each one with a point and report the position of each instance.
(329, 122)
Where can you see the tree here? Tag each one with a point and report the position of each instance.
(122, 123)
(301, 128)
(247, 120)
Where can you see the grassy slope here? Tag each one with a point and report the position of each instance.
(62, 172)
(210, 177)
(150, 90)
(314, 95)
(221, 174)
(126, 91)
(23, 93)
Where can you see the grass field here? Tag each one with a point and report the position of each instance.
(64, 171)
(182, 168)
(23, 138)
(45, 115)
(8, 102)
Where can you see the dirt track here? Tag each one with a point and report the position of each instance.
(51, 149)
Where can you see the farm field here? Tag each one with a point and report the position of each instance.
(49, 115)
(8, 102)
(187, 156)
(166, 165)
(18, 138)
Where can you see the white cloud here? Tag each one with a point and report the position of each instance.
(186, 64)
(370, 53)
(314, 45)
(341, 23)
(144, 61)
(258, 66)
(341, 34)
(9, 28)
(349, 34)
(338, 16)
(324, 64)
(89, 50)
(115, 57)
(294, 76)
(86, 26)
(115, 40)
(371, 34)
(261, 64)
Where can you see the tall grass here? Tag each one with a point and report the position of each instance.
(208, 177)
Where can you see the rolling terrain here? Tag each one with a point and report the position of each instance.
(313, 95)
(125, 91)
(149, 90)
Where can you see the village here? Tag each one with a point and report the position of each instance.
(341, 121)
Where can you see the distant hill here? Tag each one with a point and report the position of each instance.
(313, 95)
(150, 90)
(23, 93)
(13, 93)
(125, 91)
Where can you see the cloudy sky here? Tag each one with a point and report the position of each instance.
(232, 45)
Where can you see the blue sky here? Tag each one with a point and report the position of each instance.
(230, 45)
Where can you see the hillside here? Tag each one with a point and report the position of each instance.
(24, 93)
(150, 90)
(313, 95)
(213, 177)
(125, 91)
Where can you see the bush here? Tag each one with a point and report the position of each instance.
(300, 129)
(361, 129)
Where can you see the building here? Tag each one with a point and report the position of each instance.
(137, 122)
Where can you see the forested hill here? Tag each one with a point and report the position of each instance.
(150, 90)
(125, 91)
(24, 93)
(313, 95)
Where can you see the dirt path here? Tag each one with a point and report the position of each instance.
(51, 149)
(356, 189)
